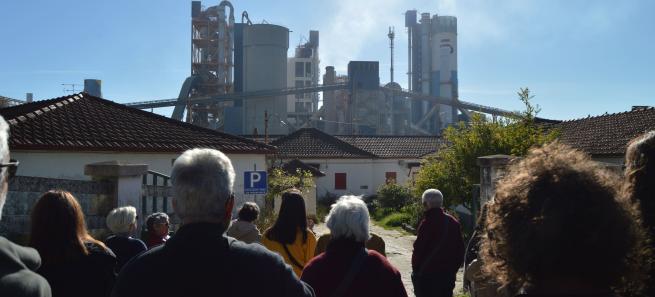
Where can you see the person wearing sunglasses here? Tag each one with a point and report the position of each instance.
(17, 264)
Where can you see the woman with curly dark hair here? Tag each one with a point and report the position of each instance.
(74, 263)
(639, 186)
(558, 227)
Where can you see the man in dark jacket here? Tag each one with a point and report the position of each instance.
(17, 263)
(199, 260)
(438, 249)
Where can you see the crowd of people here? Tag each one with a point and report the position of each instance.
(559, 225)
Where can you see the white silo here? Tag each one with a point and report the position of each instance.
(265, 68)
(444, 65)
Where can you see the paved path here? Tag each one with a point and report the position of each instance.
(399, 247)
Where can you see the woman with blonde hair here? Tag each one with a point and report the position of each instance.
(73, 262)
(289, 235)
(122, 223)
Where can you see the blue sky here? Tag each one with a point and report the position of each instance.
(578, 57)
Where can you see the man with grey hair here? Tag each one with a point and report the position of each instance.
(438, 249)
(347, 268)
(199, 260)
(17, 263)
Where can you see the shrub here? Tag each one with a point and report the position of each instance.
(396, 219)
(393, 196)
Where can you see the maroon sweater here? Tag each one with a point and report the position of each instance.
(376, 276)
(430, 231)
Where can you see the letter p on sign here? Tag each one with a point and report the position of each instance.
(255, 182)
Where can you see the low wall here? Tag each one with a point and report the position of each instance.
(97, 198)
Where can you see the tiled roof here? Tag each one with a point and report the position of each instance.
(607, 134)
(313, 143)
(395, 146)
(82, 122)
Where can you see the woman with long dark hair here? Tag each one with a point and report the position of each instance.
(74, 263)
(289, 236)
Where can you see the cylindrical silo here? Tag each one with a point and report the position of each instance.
(444, 64)
(265, 68)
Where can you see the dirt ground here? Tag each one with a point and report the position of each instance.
(399, 252)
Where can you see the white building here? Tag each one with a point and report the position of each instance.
(303, 71)
(56, 138)
(355, 164)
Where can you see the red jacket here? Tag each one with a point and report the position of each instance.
(430, 231)
(376, 277)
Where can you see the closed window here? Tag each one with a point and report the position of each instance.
(340, 181)
(300, 69)
(390, 177)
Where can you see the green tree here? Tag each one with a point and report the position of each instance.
(453, 169)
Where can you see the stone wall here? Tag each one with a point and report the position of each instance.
(97, 198)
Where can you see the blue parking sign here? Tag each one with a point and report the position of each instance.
(255, 182)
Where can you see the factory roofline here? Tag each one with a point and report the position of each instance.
(82, 122)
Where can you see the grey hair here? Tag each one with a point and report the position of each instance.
(120, 219)
(202, 183)
(4, 154)
(433, 198)
(348, 218)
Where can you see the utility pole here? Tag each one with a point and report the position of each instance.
(266, 126)
(391, 35)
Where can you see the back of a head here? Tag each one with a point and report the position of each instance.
(4, 157)
(349, 218)
(432, 198)
(120, 219)
(58, 230)
(292, 217)
(248, 212)
(557, 213)
(202, 184)
(640, 176)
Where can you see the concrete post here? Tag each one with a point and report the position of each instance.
(126, 177)
(492, 168)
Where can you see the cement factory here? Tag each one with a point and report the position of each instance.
(242, 81)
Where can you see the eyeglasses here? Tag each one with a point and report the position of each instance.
(12, 167)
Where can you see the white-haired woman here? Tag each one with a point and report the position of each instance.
(347, 268)
(122, 223)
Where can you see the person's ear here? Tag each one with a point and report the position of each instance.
(229, 205)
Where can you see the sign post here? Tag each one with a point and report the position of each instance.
(255, 182)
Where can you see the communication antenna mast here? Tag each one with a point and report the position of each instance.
(391, 35)
(70, 88)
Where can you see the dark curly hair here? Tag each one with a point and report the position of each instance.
(556, 213)
(639, 187)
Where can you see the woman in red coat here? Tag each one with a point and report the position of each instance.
(347, 268)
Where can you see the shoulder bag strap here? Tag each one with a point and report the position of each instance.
(352, 272)
(293, 260)
(439, 244)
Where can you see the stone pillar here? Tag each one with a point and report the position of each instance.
(492, 168)
(126, 177)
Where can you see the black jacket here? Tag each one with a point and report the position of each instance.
(200, 261)
(90, 275)
(125, 248)
(16, 271)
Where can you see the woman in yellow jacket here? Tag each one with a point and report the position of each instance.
(289, 236)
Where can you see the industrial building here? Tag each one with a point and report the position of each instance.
(303, 70)
(243, 83)
(432, 68)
